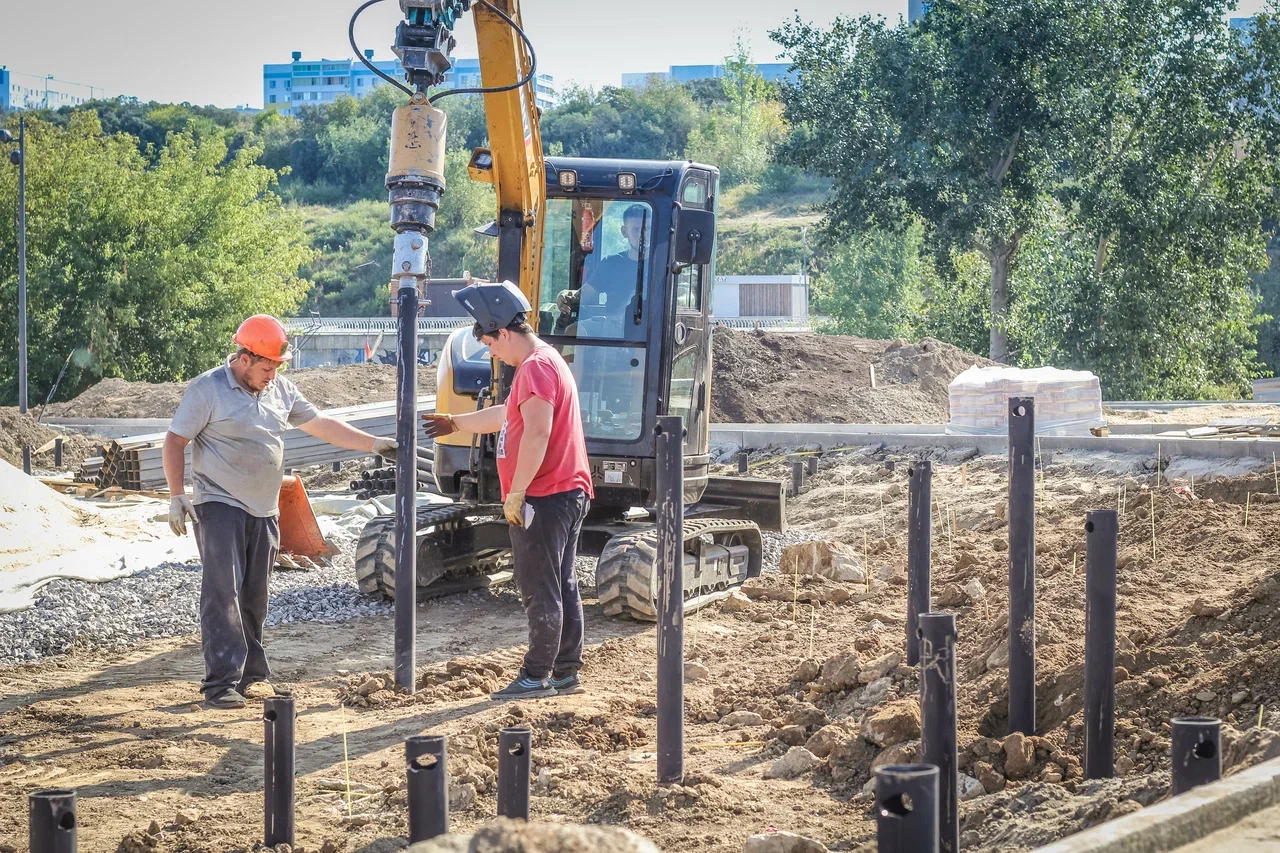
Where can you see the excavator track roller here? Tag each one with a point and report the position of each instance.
(718, 555)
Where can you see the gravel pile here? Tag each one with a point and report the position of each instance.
(164, 602)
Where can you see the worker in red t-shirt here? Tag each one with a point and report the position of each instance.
(546, 483)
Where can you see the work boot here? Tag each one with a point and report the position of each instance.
(226, 700)
(525, 686)
(569, 685)
(265, 690)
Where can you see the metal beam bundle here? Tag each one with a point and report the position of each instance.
(137, 463)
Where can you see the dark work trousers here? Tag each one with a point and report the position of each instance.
(238, 551)
(543, 555)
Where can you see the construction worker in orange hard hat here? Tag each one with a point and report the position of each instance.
(234, 417)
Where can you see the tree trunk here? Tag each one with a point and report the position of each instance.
(999, 257)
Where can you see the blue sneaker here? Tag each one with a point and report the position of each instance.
(570, 685)
(525, 686)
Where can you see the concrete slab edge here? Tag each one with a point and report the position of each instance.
(1181, 820)
(788, 435)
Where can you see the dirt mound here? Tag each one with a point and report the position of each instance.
(783, 378)
(17, 430)
(37, 523)
(326, 387)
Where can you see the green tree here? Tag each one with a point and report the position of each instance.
(144, 269)
(740, 135)
(650, 123)
(867, 284)
(1121, 120)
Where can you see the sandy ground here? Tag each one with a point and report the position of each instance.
(1198, 634)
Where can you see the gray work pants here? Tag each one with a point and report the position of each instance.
(238, 551)
(543, 555)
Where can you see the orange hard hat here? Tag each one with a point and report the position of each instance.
(265, 336)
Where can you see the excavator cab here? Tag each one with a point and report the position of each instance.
(631, 319)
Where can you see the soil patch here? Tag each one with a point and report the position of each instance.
(797, 662)
(18, 430)
(764, 377)
(326, 387)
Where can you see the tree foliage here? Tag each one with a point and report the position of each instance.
(1135, 139)
(141, 269)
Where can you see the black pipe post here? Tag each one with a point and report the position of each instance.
(670, 500)
(919, 548)
(743, 461)
(427, 762)
(797, 478)
(277, 764)
(907, 808)
(1022, 565)
(812, 466)
(57, 453)
(1197, 752)
(337, 466)
(406, 494)
(514, 745)
(51, 826)
(1101, 529)
(938, 720)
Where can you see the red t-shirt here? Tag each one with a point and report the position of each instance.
(544, 374)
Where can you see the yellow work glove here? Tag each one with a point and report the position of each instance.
(513, 508)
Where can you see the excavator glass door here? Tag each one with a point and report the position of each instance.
(592, 306)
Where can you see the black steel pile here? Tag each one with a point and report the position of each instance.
(375, 482)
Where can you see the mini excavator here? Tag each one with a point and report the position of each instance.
(617, 259)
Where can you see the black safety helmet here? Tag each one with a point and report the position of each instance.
(494, 306)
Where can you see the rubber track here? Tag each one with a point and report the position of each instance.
(625, 578)
(376, 552)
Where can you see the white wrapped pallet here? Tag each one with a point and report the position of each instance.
(1068, 402)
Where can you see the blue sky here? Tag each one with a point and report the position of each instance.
(180, 50)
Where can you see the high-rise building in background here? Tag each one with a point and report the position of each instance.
(289, 86)
(916, 9)
(20, 91)
(771, 71)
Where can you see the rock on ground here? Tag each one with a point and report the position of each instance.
(516, 836)
(893, 723)
(782, 842)
(824, 559)
(797, 761)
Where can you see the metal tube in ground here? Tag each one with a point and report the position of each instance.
(1022, 565)
(743, 462)
(406, 502)
(907, 808)
(670, 502)
(811, 467)
(57, 453)
(426, 761)
(797, 478)
(26, 459)
(1197, 753)
(277, 763)
(514, 745)
(51, 819)
(1101, 529)
(919, 548)
(938, 720)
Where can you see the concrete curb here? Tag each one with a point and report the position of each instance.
(1181, 820)
(757, 436)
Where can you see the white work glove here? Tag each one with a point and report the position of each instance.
(179, 508)
(386, 448)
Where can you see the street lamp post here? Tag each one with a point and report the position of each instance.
(19, 159)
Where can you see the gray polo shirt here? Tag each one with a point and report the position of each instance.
(237, 444)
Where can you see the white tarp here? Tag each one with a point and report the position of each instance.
(1068, 402)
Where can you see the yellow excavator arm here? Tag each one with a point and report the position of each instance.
(513, 161)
